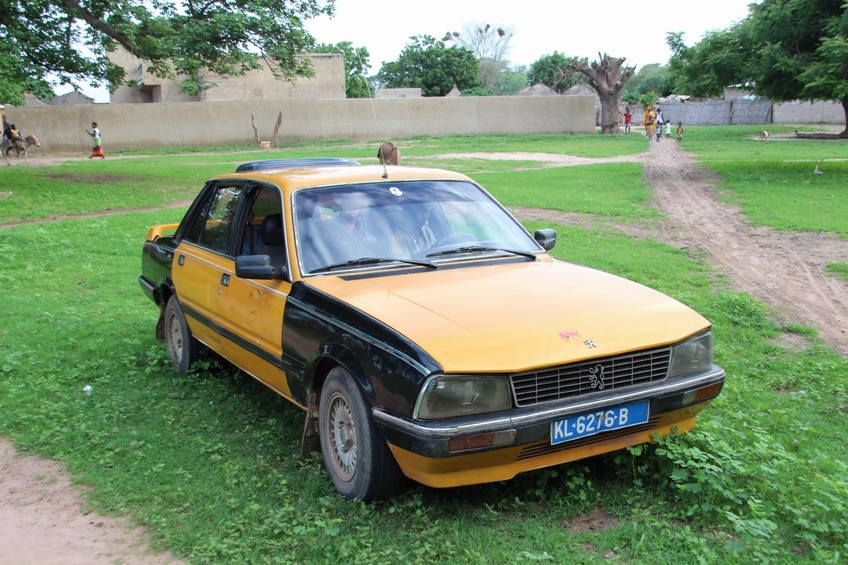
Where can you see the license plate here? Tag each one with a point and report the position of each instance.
(590, 423)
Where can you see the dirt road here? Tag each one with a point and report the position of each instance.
(43, 520)
(786, 271)
(42, 517)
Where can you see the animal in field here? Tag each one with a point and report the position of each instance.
(20, 147)
(764, 135)
(388, 154)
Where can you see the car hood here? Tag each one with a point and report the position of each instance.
(516, 316)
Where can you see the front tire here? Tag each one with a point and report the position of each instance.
(182, 346)
(356, 456)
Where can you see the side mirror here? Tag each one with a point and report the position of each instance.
(546, 238)
(259, 267)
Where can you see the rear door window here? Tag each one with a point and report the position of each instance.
(213, 226)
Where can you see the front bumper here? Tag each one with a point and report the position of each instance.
(495, 447)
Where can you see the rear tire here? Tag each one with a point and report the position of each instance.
(356, 456)
(183, 348)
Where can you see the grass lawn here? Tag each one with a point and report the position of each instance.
(210, 463)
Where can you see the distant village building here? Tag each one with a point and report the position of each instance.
(398, 93)
(581, 90)
(73, 98)
(584, 90)
(32, 100)
(538, 89)
(328, 83)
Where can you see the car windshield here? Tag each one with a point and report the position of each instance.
(355, 225)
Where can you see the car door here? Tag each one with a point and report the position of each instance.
(251, 311)
(203, 262)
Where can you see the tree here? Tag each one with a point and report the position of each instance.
(707, 68)
(431, 66)
(512, 81)
(14, 84)
(489, 73)
(67, 41)
(356, 67)
(784, 50)
(486, 41)
(653, 78)
(554, 72)
(607, 78)
(508, 83)
(490, 45)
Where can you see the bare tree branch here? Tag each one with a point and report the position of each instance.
(77, 10)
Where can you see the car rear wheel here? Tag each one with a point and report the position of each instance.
(182, 347)
(356, 456)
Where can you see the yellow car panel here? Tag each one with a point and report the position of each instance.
(488, 318)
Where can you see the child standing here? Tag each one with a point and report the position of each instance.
(679, 131)
(668, 129)
(659, 120)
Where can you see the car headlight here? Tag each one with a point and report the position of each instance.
(450, 396)
(692, 356)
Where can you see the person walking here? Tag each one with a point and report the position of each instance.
(659, 121)
(668, 128)
(649, 122)
(97, 148)
(679, 131)
(628, 119)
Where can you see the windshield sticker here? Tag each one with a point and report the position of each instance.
(396, 191)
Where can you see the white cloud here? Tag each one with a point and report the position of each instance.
(583, 29)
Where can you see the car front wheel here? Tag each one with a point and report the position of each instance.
(182, 347)
(356, 456)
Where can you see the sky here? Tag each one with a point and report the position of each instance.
(634, 30)
(618, 28)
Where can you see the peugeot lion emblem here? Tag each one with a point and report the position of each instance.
(596, 377)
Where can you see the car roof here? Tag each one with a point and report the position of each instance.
(291, 163)
(292, 178)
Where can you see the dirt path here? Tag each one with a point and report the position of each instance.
(42, 516)
(786, 271)
(43, 520)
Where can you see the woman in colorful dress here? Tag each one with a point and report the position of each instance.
(97, 149)
(650, 127)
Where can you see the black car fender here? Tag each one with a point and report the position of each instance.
(321, 331)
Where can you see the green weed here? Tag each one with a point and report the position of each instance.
(210, 462)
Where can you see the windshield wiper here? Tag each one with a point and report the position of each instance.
(362, 261)
(479, 248)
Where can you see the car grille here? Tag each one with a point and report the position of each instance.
(539, 449)
(597, 375)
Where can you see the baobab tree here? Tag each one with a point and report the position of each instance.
(607, 77)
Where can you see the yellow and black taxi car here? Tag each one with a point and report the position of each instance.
(422, 330)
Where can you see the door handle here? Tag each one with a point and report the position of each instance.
(225, 279)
